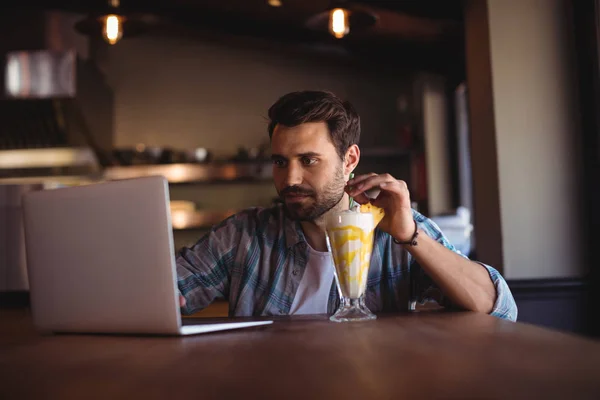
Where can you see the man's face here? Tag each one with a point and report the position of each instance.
(308, 173)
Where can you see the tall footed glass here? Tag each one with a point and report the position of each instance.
(350, 240)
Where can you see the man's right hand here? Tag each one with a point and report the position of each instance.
(181, 301)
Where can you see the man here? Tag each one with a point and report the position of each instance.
(274, 261)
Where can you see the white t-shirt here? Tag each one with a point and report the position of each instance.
(313, 292)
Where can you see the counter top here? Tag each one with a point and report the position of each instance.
(424, 355)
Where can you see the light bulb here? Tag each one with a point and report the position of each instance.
(338, 22)
(275, 3)
(112, 30)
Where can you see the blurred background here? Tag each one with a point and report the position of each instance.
(487, 108)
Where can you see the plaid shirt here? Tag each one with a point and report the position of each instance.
(256, 260)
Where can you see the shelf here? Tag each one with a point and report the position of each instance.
(51, 181)
(57, 157)
(182, 220)
(192, 173)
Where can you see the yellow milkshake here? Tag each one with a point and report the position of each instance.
(350, 239)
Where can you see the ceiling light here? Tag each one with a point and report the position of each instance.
(338, 22)
(341, 17)
(111, 23)
(112, 29)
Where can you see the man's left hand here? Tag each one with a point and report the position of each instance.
(394, 198)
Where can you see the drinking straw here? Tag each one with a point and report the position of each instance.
(351, 199)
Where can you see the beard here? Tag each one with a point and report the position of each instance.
(316, 204)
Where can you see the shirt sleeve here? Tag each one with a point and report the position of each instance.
(204, 270)
(424, 289)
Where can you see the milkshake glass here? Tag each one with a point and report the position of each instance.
(350, 241)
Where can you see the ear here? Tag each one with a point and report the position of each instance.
(351, 160)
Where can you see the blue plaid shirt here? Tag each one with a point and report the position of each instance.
(256, 259)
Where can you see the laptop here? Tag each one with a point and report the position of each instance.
(101, 259)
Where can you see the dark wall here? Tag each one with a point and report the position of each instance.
(553, 303)
(586, 23)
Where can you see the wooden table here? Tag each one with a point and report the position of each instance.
(422, 355)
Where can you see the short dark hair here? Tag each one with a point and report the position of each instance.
(298, 108)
